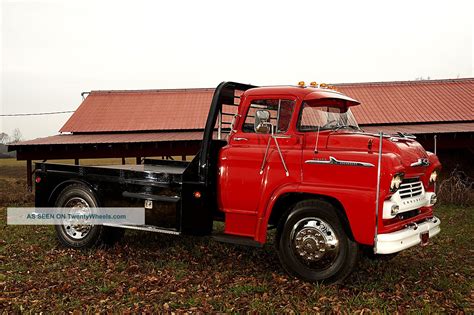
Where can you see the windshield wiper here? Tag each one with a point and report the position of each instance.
(346, 126)
(354, 127)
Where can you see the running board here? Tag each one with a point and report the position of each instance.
(148, 228)
(151, 197)
(235, 239)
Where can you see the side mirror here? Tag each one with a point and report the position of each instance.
(262, 121)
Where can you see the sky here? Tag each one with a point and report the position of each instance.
(53, 50)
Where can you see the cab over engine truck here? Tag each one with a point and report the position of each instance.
(293, 159)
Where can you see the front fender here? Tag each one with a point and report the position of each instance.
(266, 210)
(358, 206)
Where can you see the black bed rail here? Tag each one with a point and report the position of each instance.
(224, 94)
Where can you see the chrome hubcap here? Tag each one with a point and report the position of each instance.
(314, 243)
(77, 228)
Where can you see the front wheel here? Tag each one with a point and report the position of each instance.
(312, 244)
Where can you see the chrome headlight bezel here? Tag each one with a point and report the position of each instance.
(394, 209)
(396, 181)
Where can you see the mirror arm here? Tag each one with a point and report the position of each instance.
(317, 140)
(281, 156)
(278, 149)
(265, 155)
(234, 119)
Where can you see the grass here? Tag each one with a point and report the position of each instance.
(152, 272)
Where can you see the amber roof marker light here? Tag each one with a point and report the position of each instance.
(301, 84)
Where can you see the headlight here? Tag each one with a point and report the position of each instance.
(434, 176)
(396, 182)
(394, 209)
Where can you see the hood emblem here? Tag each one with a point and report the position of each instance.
(406, 135)
(420, 162)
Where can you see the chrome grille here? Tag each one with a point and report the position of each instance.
(410, 188)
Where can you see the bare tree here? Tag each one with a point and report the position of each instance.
(4, 138)
(16, 136)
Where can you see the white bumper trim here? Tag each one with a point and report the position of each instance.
(397, 241)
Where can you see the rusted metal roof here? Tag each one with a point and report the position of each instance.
(412, 101)
(187, 109)
(148, 110)
(115, 138)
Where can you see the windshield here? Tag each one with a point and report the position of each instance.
(317, 117)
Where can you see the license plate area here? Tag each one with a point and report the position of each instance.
(425, 238)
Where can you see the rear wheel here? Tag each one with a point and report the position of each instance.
(313, 245)
(71, 234)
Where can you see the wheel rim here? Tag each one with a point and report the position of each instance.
(314, 243)
(77, 228)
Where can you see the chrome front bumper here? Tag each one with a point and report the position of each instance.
(410, 236)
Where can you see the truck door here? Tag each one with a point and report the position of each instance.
(247, 177)
(316, 124)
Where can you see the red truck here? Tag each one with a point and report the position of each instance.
(290, 158)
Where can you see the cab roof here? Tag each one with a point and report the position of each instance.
(303, 93)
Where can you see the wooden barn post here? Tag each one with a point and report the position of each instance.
(29, 180)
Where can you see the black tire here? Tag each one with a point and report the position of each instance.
(302, 255)
(97, 234)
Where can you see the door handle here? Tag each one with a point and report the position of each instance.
(240, 139)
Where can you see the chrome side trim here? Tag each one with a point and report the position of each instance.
(332, 160)
(420, 162)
